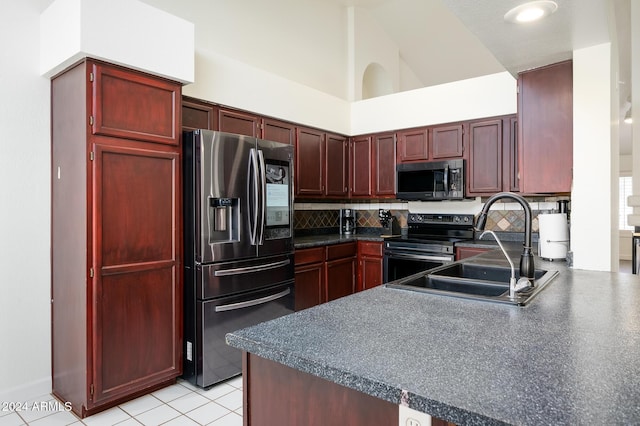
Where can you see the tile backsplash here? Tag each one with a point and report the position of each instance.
(503, 217)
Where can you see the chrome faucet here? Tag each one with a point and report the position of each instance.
(514, 286)
(527, 266)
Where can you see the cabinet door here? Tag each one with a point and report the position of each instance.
(465, 252)
(309, 285)
(278, 131)
(485, 157)
(413, 145)
(197, 115)
(446, 141)
(310, 163)
(133, 105)
(384, 165)
(137, 303)
(337, 171)
(233, 121)
(362, 159)
(341, 278)
(371, 272)
(545, 126)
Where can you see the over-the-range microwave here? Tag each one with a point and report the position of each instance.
(430, 180)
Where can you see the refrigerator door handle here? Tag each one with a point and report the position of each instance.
(253, 201)
(250, 269)
(254, 302)
(263, 198)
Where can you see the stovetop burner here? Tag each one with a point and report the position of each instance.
(435, 232)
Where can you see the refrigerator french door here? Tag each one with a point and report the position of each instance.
(238, 239)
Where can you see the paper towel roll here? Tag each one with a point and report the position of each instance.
(554, 236)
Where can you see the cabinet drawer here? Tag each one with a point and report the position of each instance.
(368, 248)
(310, 255)
(341, 250)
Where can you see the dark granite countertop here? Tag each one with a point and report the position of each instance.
(572, 356)
(323, 240)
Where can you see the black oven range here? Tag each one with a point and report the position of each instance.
(429, 243)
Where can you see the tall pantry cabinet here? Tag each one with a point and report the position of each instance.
(116, 235)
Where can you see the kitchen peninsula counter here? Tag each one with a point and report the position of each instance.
(572, 356)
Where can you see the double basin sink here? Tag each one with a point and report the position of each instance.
(470, 280)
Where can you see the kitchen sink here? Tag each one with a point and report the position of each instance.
(485, 282)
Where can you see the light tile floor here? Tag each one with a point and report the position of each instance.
(179, 404)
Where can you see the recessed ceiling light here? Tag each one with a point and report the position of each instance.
(530, 11)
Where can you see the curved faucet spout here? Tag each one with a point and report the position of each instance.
(527, 266)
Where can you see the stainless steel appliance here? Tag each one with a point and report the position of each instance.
(433, 180)
(347, 221)
(429, 243)
(238, 240)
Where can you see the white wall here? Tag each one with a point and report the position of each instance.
(594, 233)
(371, 45)
(25, 225)
(485, 96)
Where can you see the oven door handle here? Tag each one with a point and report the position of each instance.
(254, 302)
(419, 257)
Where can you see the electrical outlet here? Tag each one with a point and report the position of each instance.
(411, 417)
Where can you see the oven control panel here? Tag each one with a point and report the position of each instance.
(450, 219)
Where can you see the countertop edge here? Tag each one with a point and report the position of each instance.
(390, 393)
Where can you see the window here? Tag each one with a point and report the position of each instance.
(624, 210)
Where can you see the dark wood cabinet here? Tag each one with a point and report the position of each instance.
(485, 157)
(278, 131)
(322, 164)
(324, 273)
(309, 276)
(492, 165)
(545, 129)
(413, 145)
(241, 123)
(116, 235)
(362, 161)
(465, 252)
(310, 162)
(384, 165)
(446, 141)
(197, 114)
(341, 270)
(337, 166)
(369, 264)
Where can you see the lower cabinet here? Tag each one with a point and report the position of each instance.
(369, 264)
(465, 252)
(324, 273)
(309, 276)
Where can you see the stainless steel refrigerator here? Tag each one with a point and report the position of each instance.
(238, 243)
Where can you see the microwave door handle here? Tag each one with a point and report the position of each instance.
(252, 196)
(446, 179)
(263, 197)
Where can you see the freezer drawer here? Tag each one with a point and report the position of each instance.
(227, 278)
(208, 359)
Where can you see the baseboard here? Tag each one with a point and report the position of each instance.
(28, 391)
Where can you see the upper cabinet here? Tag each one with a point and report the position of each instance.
(197, 114)
(492, 165)
(148, 113)
(545, 129)
(241, 123)
(384, 165)
(309, 162)
(446, 141)
(278, 131)
(362, 159)
(413, 145)
(337, 166)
